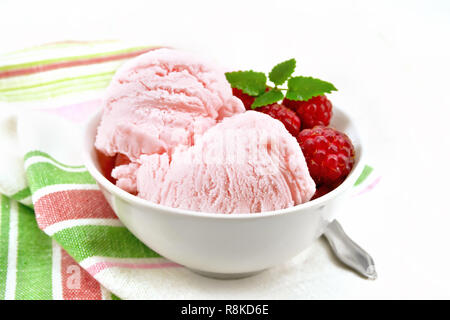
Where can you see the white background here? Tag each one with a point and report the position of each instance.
(390, 62)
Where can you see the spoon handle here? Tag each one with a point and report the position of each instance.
(348, 252)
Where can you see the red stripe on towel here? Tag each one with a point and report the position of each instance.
(77, 283)
(72, 204)
(66, 64)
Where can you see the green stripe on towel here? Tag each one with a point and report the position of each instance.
(56, 92)
(105, 241)
(4, 242)
(22, 194)
(70, 58)
(364, 174)
(34, 259)
(37, 153)
(59, 83)
(43, 174)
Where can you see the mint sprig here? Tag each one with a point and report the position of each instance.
(282, 71)
(250, 82)
(299, 88)
(304, 88)
(268, 97)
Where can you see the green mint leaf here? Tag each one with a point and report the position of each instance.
(282, 71)
(268, 97)
(304, 88)
(250, 82)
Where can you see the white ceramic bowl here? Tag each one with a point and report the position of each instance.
(226, 245)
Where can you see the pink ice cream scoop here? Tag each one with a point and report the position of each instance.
(162, 99)
(248, 163)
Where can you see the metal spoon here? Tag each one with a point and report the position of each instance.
(348, 252)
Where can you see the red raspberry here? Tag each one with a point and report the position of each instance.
(285, 115)
(106, 164)
(245, 98)
(121, 159)
(330, 154)
(316, 111)
(321, 191)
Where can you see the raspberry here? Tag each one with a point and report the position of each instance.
(121, 159)
(321, 191)
(285, 115)
(245, 98)
(316, 111)
(329, 154)
(106, 164)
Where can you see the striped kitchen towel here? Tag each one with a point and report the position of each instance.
(67, 79)
(59, 239)
(34, 266)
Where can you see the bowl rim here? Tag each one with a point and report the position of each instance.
(88, 142)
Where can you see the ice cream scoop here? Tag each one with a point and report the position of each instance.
(162, 99)
(247, 163)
